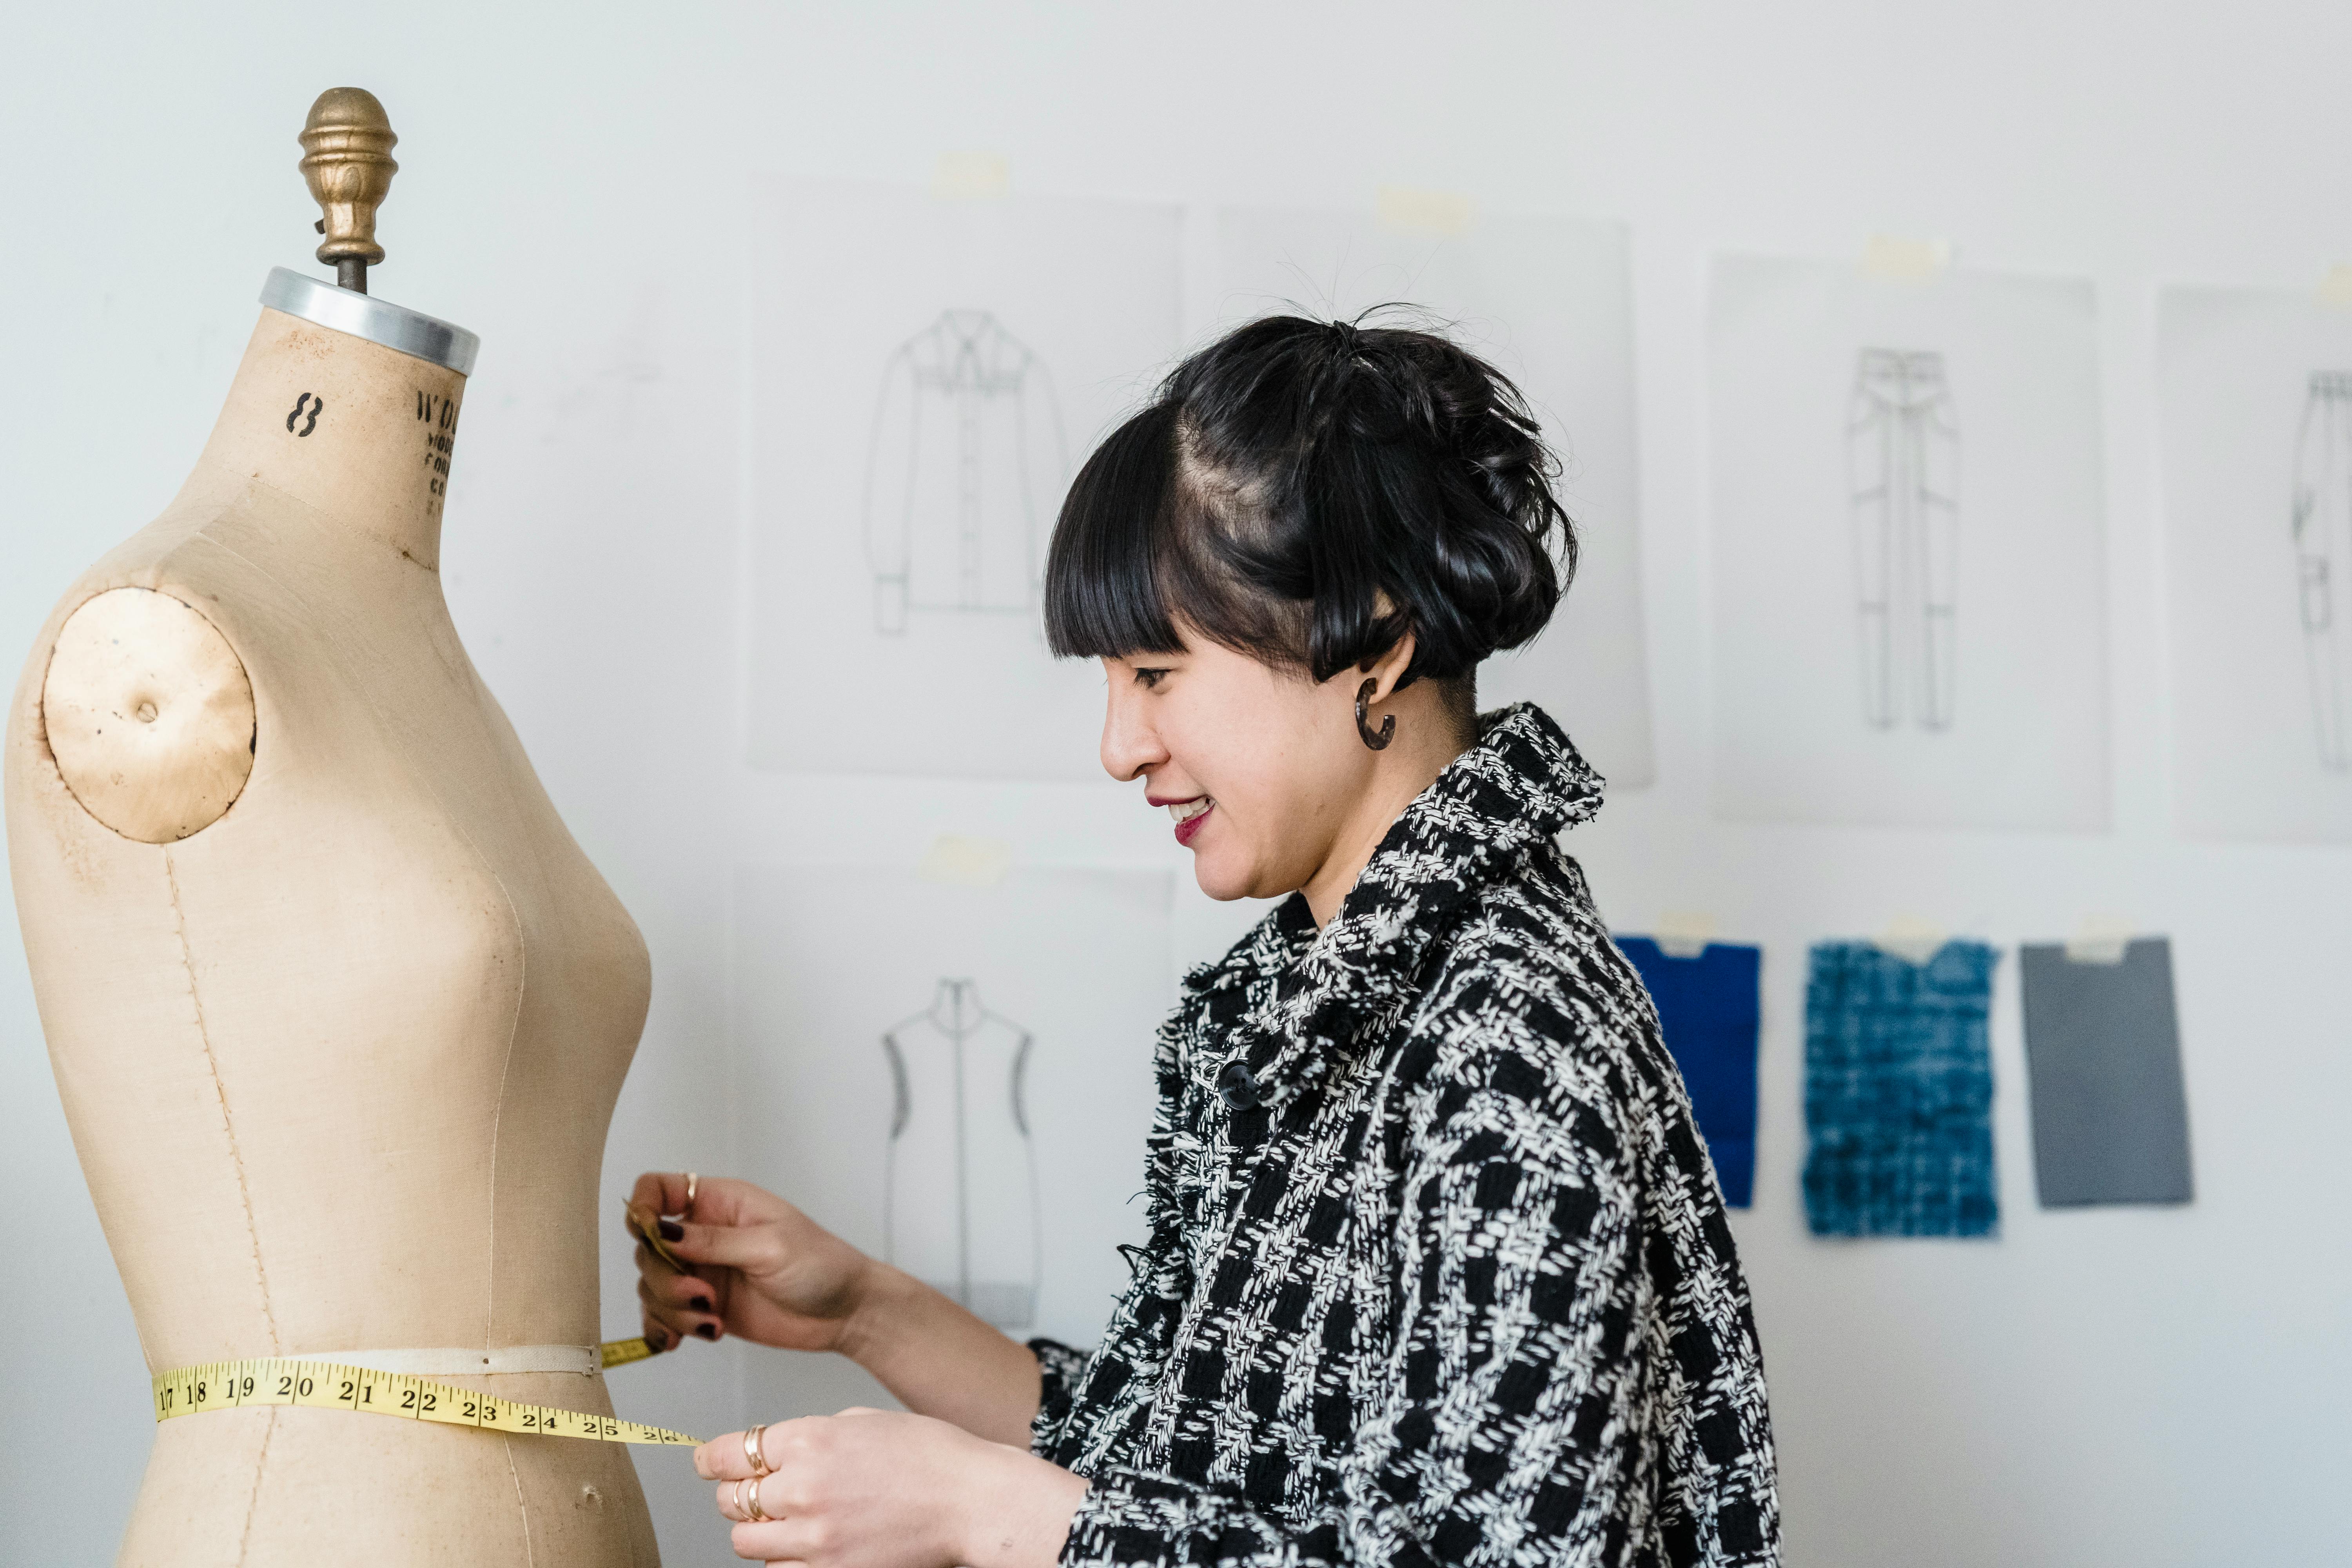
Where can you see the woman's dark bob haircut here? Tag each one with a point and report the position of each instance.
(1306, 492)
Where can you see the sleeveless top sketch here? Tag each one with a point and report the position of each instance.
(961, 1195)
(963, 470)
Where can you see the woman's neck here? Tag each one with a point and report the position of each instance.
(361, 433)
(1425, 743)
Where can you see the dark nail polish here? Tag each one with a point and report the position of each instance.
(699, 1304)
(706, 1331)
(672, 1231)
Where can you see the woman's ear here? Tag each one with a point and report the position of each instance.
(1389, 669)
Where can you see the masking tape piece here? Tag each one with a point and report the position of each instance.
(972, 176)
(1683, 933)
(1904, 260)
(2100, 939)
(1423, 212)
(1911, 938)
(962, 862)
(324, 1385)
(2336, 289)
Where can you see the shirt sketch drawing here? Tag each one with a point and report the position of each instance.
(963, 470)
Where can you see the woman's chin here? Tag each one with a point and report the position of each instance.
(1220, 881)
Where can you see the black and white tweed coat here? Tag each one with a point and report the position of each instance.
(1438, 1271)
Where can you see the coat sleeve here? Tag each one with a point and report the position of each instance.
(1507, 1424)
(1158, 1266)
(1059, 1368)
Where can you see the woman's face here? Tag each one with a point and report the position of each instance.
(1257, 767)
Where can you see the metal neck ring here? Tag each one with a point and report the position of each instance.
(410, 333)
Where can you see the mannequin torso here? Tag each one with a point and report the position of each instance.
(338, 1039)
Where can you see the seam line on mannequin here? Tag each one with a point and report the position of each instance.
(464, 668)
(523, 1508)
(506, 1071)
(220, 1096)
(257, 482)
(253, 1499)
(247, 562)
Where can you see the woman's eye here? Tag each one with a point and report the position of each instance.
(1150, 677)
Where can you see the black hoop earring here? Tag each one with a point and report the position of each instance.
(1378, 739)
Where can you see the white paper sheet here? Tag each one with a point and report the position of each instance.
(1547, 301)
(830, 960)
(2255, 423)
(1908, 563)
(928, 373)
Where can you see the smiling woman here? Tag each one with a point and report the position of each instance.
(1304, 547)
(1438, 1271)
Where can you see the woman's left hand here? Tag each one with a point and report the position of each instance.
(878, 1488)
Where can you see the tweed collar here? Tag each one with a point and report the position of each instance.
(1297, 998)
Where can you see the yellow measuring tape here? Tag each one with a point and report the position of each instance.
(324, 1385)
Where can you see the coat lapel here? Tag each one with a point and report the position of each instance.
(1290, 1002)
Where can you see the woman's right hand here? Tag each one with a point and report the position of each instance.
(759, 1268)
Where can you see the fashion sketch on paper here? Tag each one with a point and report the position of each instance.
(960, 1199)
(963, 470)
(2323, 552)
(1902, 467)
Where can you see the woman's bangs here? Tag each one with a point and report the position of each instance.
(1102, 577)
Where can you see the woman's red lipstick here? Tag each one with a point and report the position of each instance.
(1187, 826)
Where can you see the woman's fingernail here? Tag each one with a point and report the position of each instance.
(706, 1331)
(699, 1304)
(672, 1231)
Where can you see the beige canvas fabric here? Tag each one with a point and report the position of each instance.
(338, 1024)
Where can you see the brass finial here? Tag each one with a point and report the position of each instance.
(347, 162)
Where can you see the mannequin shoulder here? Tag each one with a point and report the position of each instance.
(148, 712)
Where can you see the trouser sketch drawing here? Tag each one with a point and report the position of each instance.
(961, 1195)
(963, 469)
(1903, 461)
(2323, 549)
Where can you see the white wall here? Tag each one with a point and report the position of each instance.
(2106, 1387)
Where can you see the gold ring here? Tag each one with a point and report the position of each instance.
(755, 1513)
(692, 1181)
(753, 1453)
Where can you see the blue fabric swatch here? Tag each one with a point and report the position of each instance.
(1708, 1011)
(1899, 1092)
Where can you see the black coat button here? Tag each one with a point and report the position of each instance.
(1238, 1088)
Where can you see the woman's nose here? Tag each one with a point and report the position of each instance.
(1129, 744)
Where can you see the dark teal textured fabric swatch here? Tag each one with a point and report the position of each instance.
(1899, 1092)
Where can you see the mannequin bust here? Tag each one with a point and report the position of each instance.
(338, 1009)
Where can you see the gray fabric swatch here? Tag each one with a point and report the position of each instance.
(2103, 1047)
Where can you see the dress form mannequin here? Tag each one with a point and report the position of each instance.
(337, 1008)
